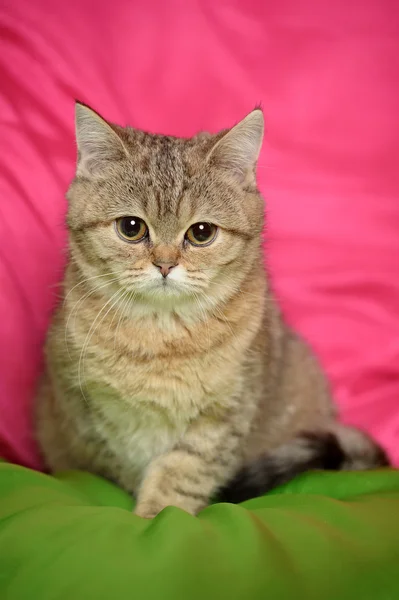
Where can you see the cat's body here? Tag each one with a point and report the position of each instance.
(169, 367)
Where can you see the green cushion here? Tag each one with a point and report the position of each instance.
(329, 536)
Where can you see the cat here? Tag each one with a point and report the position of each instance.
(169, 368)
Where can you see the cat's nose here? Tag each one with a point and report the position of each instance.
(164, 267)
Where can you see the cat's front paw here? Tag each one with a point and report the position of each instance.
(148, 510)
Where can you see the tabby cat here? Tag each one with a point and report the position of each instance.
(169, 369)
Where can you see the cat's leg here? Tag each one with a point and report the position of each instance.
(68, 438)
(50, 430)
(195, 469)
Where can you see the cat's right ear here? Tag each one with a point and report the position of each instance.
(98, 143)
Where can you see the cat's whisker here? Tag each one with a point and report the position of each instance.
(131, 280)
(74, 309)
(123, 302)
(111, 273)
(222, 317)
(234, 287)
(90, 335)
(224, 320)
(195, 277)
(124, 293)
(266, 167)
(122, 315)
(205, 318)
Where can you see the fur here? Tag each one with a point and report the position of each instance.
(169, 386)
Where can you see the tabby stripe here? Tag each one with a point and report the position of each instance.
(208, 461)
(189, 494)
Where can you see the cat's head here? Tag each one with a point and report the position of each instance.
(170, 220)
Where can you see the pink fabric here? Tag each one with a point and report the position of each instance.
(327, 74)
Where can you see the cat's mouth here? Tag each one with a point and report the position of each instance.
(154, 289)
(170, 287)
(166, 287)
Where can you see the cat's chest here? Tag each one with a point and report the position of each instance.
(147, 384)
(178, 389)
(175, 372)
(135, 432)
(144, 406)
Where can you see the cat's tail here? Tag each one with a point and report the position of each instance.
(337, 448)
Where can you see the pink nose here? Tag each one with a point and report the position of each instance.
(165, 268)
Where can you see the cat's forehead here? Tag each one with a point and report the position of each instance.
(160, 174)
(161, 160)
(168, 159)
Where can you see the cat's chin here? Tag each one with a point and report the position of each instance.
(165, 288)
(164, 294)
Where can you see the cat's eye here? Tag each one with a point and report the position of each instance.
(201, 234)
(131, 229)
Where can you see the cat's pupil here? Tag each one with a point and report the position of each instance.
(202, 231)
(131, 226)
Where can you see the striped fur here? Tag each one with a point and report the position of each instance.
(170, 386)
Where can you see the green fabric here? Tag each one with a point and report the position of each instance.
(324, 536)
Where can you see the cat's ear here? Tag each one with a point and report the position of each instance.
(238, 150)
(98, 143)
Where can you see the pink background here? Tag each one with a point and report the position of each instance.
(327, 74)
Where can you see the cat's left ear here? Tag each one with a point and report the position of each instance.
(238, 150)
(98, 142)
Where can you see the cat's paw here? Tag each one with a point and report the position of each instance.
(148, 510)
